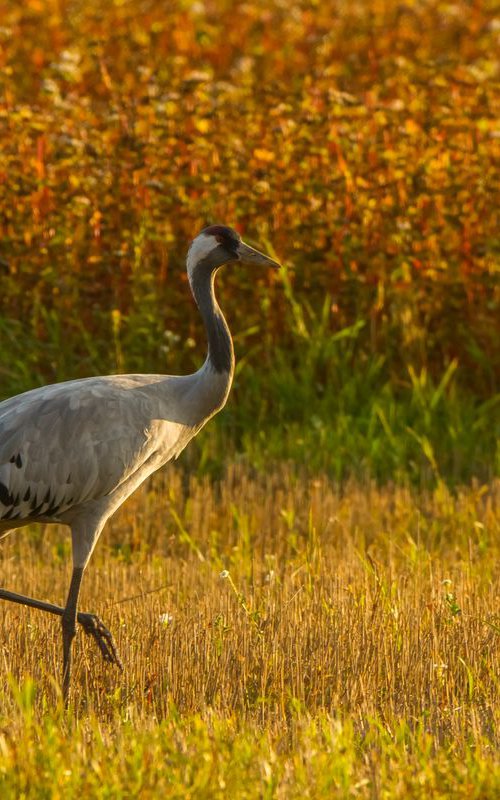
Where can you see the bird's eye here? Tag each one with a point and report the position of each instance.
(227, 242)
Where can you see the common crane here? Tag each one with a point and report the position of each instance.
(73, 452)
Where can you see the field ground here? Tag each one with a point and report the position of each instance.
(281, 638)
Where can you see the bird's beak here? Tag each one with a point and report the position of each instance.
(250, 257)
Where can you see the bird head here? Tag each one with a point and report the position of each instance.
(218, 245)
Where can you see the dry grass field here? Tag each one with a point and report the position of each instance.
(281, 638)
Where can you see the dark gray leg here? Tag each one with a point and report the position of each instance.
(69, 627)
(31, 602)
(91, 624)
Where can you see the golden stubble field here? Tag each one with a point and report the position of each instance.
(269, 596)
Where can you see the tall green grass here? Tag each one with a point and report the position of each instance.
(333, 406)
(324, 399)
(319, 397)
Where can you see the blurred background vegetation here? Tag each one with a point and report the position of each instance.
(358, 141)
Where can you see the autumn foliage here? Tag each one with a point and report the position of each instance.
(360, 139)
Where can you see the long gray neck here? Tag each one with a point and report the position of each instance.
(220, 344)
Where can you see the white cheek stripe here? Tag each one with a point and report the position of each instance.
(200, 248)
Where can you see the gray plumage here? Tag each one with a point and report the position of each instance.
(85, 445)
(73, 452)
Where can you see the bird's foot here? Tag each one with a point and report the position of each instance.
(93, 626)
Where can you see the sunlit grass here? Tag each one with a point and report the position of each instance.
(276, 633)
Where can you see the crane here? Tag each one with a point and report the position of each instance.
(73, 452)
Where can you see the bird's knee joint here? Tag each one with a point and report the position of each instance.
(68, 626)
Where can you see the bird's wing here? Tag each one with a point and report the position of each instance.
(64, 444)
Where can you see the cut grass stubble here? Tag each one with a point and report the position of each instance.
(263, 595)
(281, 638)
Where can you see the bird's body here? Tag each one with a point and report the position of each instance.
(73, 452)
(82, 447)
